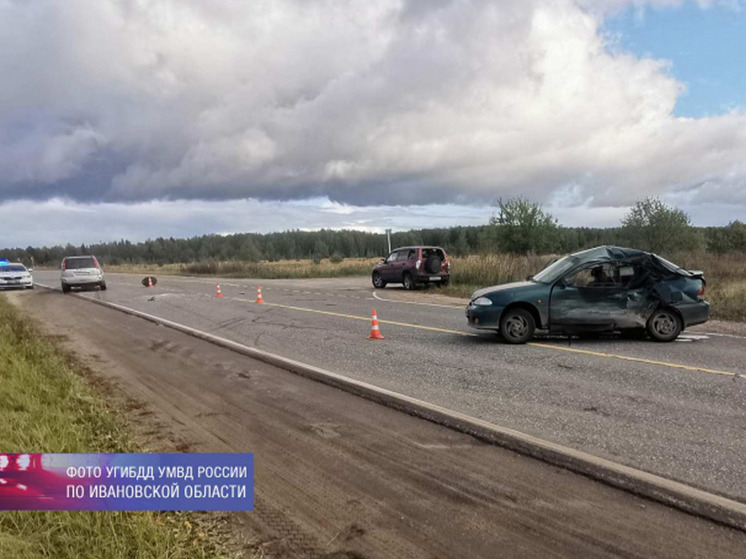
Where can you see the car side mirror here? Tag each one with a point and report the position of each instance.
(529, 277)
(382, 260)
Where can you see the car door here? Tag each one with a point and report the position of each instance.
(405, 262)
(399, 266)
(388, 269)
(591, 298)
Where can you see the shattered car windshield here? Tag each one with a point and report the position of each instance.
(554, 272)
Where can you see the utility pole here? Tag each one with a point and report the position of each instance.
(388, 238)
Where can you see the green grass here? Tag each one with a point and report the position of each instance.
(47, 406)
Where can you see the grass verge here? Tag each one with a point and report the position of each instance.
(47, 406)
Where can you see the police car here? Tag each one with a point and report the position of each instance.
(14, 275)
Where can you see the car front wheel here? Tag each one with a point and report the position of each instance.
(378, 282)
(517, 326)
(664, 325)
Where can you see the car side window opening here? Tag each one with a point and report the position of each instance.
(598, 275)
(412, 255)
(392, 257)
(402, 255)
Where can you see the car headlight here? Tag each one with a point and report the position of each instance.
(482, 302)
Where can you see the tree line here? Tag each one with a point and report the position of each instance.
(518, 226)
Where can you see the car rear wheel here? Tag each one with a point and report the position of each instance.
(408, 281)
(378, 282)
(65, 288)
(103, 286)
(664, 325)
(517, 326)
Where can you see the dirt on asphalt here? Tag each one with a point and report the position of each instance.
(338, 476)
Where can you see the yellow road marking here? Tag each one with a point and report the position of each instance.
(534, 344)
(365, 318)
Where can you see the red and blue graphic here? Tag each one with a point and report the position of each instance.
(218, 482)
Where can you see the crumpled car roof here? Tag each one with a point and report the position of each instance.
(609, 253)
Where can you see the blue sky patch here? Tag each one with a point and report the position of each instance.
(706, 48)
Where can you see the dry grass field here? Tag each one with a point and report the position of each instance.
(725, 274)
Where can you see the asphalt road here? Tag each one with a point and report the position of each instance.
(340, 477)
(677, 410)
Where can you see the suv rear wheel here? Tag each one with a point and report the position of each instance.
(103, 286)
(378, 282)
(65, 288)
(517, 326)
(408, 281)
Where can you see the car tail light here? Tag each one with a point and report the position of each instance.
(64, 264)
(95, 262)
(448, 266)
(701, 292)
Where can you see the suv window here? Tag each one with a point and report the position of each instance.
(392, 257)
(436, 251)
(406, 255)
(78, 263)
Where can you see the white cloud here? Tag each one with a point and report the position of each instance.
(390, 102)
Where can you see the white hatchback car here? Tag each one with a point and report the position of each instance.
(15, 275)
(81, 271)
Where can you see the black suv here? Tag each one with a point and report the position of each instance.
(413, 266)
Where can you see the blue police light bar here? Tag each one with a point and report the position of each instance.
(3, 262)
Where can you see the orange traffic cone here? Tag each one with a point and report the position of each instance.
(218, 293)
(375, 333)
(150, 282)
(259, 299)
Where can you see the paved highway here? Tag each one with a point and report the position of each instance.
(340, 476)
(677, 410)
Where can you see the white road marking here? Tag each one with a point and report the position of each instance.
(725, 335)
(377, 296)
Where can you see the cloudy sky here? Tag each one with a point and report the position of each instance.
(145, 118)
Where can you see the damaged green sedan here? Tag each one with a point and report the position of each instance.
(603, 289)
